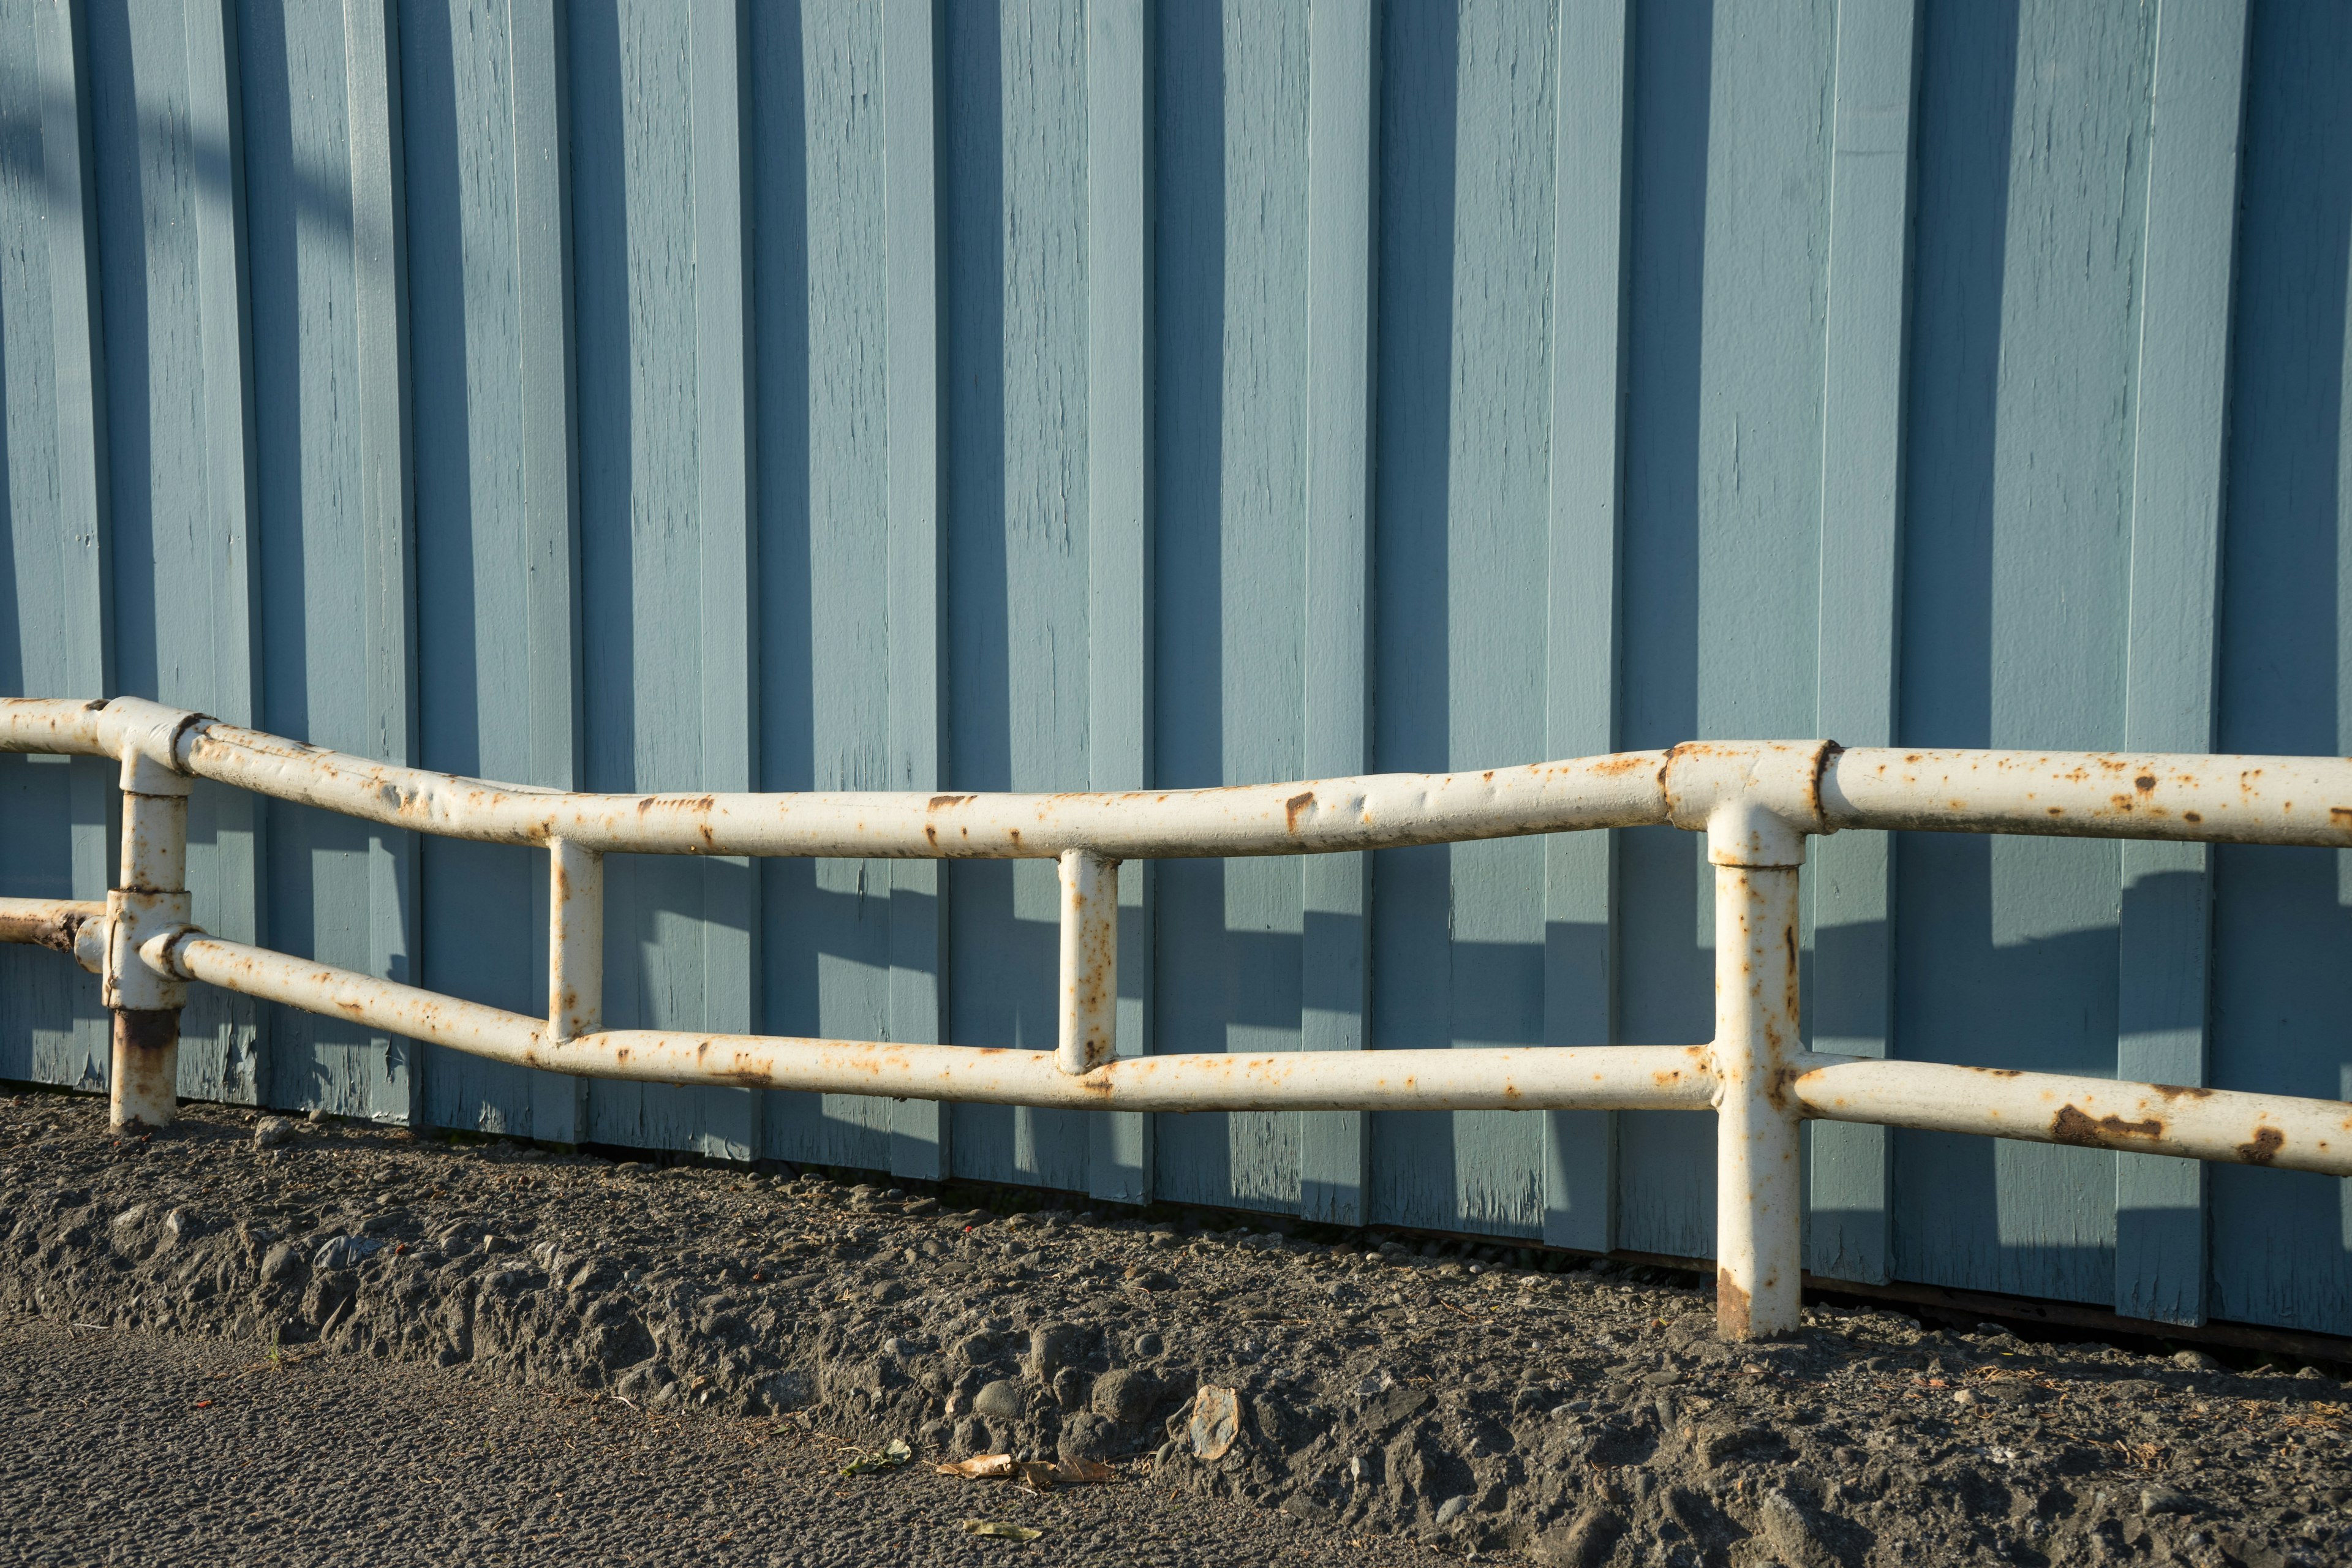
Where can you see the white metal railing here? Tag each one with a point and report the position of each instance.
(1756, 802)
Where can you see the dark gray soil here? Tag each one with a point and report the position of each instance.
(1580, 1416)
(125, 1446)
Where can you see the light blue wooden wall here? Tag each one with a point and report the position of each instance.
(809, 394)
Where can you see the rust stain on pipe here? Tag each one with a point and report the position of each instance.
(2070, 1126)
(146, 1085)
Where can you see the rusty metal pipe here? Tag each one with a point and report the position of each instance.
(575, 939)
(1089, 966)
(1758, 1196)
(55, 923)
(2291, 1133)
(1259, 819)
(2093, 794)
(1648, 1077)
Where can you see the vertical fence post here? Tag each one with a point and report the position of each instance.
(1758, 1227)
(576, 941)
(151, 899)
(1089, 1023)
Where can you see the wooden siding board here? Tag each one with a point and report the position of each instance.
(1587, 448)
(2033, 146)
(2165, 933)
(2282, 1240)
(323, 230)
(1230, 555)
(489, 331)
(1865, 334)
(55, 596)
(1730, 227)
(916, 392)
(168, 163)
(1460, 573)
(677, 928)
(1014, 256)
(1343, 85)
(824, 541)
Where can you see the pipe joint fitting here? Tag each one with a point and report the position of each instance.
(1756, 801)
(148, 736)
(134, 921)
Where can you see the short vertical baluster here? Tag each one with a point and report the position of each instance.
(1089, 960)
(1758, 1226)
(576, 941)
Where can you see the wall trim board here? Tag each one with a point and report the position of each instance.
(915, 392)
(2178, 480)
(1873, 176)
(1119, 201)
(1589, 330)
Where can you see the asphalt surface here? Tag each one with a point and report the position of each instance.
(129, 1446)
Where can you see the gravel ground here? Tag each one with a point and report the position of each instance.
(1371, 1389)
(245, 1457)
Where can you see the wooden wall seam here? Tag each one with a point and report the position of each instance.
(1591, 195)
(916, 388)
(1118, 520)
(215, 129)
(380, 278)
(78, 344)
(1343, 77)
(1864, 370)
(725, 478)
(2178, 478)
(539, 76)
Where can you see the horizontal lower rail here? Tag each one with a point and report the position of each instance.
(2281, 1131)
(2284, 1131)
(1664, 1078)
(63, 924)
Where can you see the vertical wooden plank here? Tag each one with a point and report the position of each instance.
(1462, 550)
(208, 652)
(2178, 479)
(78, 347)
(1588, 451)
(2283, 917)
(729, 582)
(824, 470)
(1119, 497)
(1862, 379)
(53, 604)
(539, 80)
(1343, 72)
(1733, 118)
(380, 267)
(915, 395)
(1012, 161)
(2032, 142)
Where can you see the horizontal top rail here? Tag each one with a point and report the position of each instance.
(1801, 787)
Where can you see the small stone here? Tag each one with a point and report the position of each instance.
(1053, 1346)
(1000, 1400)
(1071, 1388)
(1124, 1396)
(1451, 1509)
(272, 1132)
(317, 1118)
(2195, 1360)
(1791, 1530)
(1149, 1344)
(2165, 1499)
(1964, 1396)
